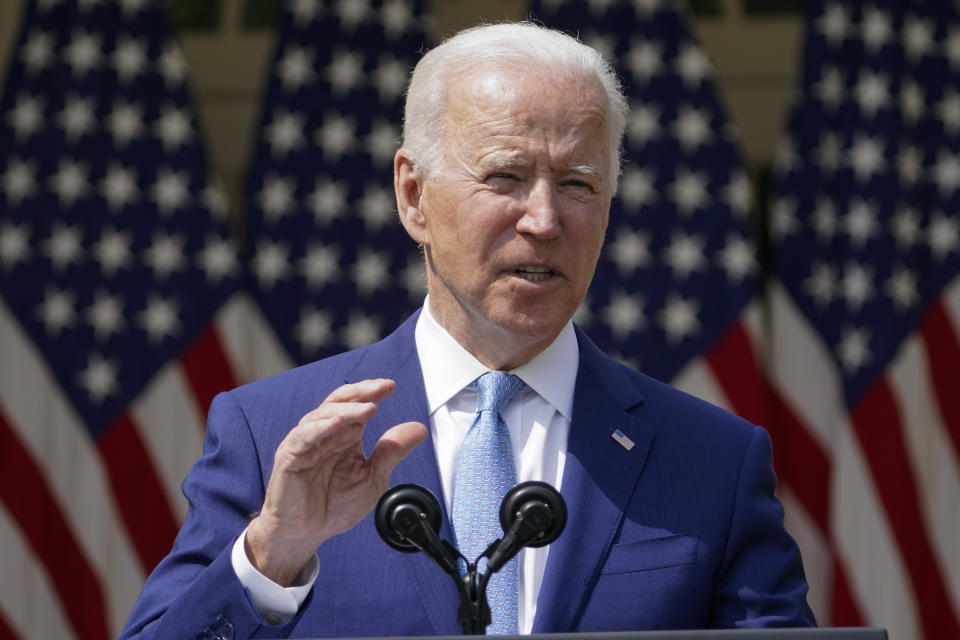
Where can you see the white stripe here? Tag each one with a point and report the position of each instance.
(57, 440)
(172, 430)
(802, 369)
(815, 551)
(28, 600)
(252, 347)
(697, 379)
(933, 459)
(874, 566)
(951, 300)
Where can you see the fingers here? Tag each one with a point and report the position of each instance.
(393, 446)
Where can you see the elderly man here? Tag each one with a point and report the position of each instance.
(509, 162)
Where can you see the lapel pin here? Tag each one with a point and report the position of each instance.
(622, 439)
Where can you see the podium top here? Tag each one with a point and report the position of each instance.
(826, 633)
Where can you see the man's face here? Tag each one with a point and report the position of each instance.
(515, 215)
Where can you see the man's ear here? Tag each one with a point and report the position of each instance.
(408, 184)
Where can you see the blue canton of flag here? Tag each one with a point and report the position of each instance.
(114, 250)
(327, 252)
(679, 264)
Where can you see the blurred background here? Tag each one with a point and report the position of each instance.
(194, 195)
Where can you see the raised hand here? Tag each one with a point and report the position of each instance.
(322, 484)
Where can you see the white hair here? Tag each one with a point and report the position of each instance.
(518, 42)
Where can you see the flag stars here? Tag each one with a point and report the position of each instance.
(336, 136)
(218, 259)
(905, 225)
(834, 24)
(624, 314)
(170, 191)
(277, 197)
(860, 222)
(414, 277)
(856, 285)
(38, 51)
(371, 271)
(64, 247)
(377, 207)
(396, 16)
(320, 265)
(69, 182)
(689, 191)
(57, 311)
(877, 30)
(637, 188)
(645, 60)
(829, 153)
(105, 315)
(129, 59)
(866, 157)
(165, 255)
(271, 263)
(352, 12)
(26, 117)
(390, 78)
(83, 53)
(112, 251)
(160, 318)
(824, 219)
(382, 142)
(119, 187)
(630, 250)
(821, 285)
(738, 194)
(295, 68)
(125, 123)
(77, 118)
(946, 173)
(783, 218)
(692, 128)
(644, 125)
(902, 288)
(917, 37)
(952, 48)
(948, 110)
(173, 66)
(685, 255)
(913, 101)
(361, 329)
(678, 319)
(909, 165)
(853, 351)
(14, 244)
(99, 379)
(830, 89)
(737, 258)
(173, 128)
(345, 71)
(327, 201)
(692, 65)
(305, 11)
(19, 181)
(943, 235)
(314, 329)
(285, 133)
(872, 92)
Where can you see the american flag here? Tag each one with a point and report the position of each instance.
(675, 289)
(330, 264)
(118, 317)
(865, 314)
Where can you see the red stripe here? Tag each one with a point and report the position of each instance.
(734, 364)
(876, 420)
(206, 366)
(139, 494)
(844, 610)
(31, 503)
(943, 356)
(6, 632)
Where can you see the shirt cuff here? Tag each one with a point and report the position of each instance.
(276, 605)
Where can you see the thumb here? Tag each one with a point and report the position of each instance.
(393, 446)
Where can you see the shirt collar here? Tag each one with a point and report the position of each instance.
(448, 367)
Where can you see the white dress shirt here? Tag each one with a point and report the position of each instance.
(539, 422)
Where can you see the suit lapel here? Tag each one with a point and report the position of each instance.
(396, 358)
(599, 478)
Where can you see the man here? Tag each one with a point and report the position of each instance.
(509, 163)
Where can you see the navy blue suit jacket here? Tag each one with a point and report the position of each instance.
(682, 531)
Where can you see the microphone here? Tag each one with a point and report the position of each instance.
(533, 514)
(408, 518)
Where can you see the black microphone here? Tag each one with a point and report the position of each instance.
(533, 514)
(408, 518)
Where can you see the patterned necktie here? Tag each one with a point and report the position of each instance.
(484, 474)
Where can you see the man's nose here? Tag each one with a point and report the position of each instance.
(541, 215)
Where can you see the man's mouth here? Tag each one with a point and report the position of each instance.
(533, 274)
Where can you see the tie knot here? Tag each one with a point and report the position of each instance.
(497, 388)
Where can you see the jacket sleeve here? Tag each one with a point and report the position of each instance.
(194, 592)
(760, 582)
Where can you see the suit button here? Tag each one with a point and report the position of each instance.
(274, 619)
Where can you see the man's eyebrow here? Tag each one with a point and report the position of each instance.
(591, 170)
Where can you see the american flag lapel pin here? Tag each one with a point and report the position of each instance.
(622, 439)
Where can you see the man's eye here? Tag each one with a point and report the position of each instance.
(579, 184)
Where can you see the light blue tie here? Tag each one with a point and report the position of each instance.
(484, 474)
